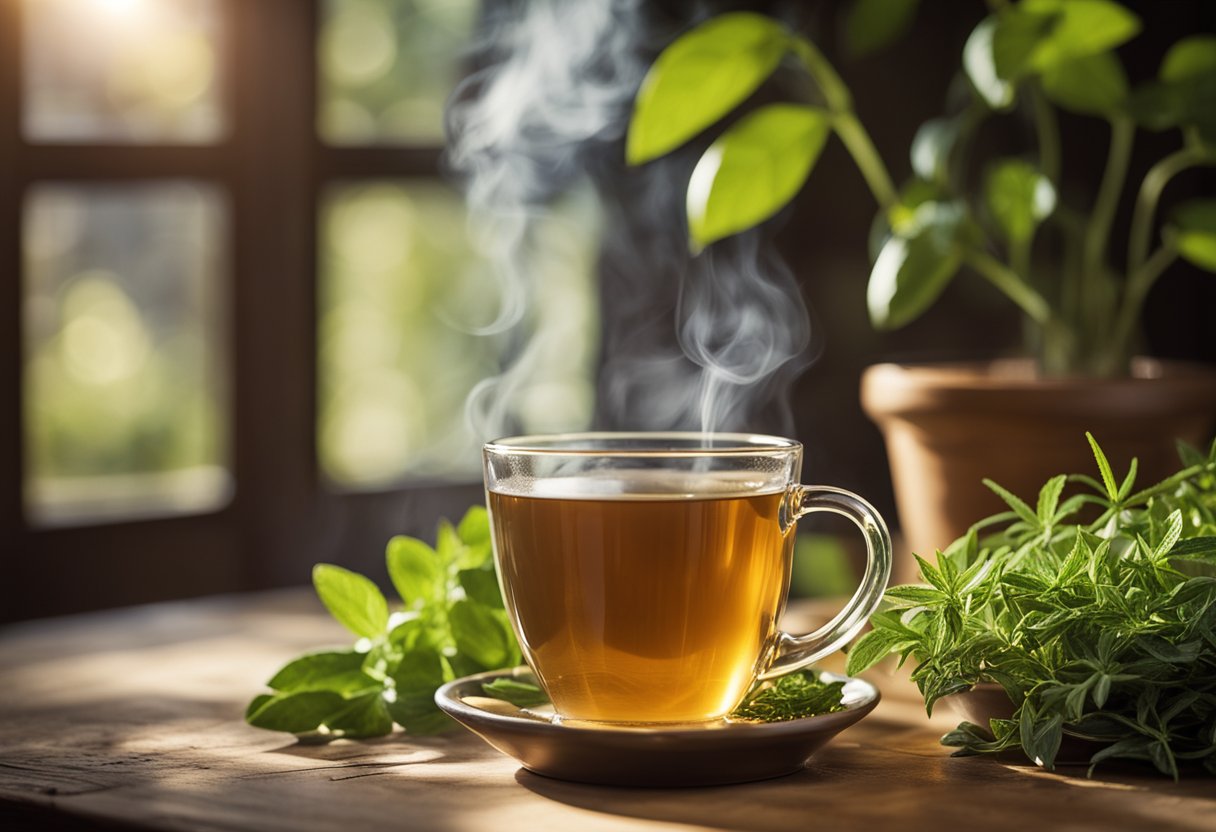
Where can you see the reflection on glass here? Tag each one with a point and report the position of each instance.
(403, 296)
(123, 370)
(122, 71)
(387, 66)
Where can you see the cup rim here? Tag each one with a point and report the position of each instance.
(567, 444)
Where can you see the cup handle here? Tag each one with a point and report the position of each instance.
(791, 652)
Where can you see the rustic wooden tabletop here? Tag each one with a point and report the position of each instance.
(133, 719)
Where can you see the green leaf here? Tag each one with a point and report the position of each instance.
(1091, 84)
(256, 703)
(352, 599)
(298, 713)
(415, 570)
(1082, 27)
(1193, 232)
(1049, 498)
(519, 694)
(872, 648)
(340, 671)
(482, 586)
(915, 595)
(418, 675)
(870, 25)
(474, 528)
(979, 63)
(1019, 33)
(1195, 548)
(1019, 198)
(479, 634)
(931, 148)
(699, 78)
(362, 716)
(1108, 477)
(1189, 58)
(1014, 502)
(912, 270)
(1041, 736)
(1172, 533)
(753, 169)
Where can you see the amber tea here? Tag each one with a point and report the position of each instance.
(643, 597)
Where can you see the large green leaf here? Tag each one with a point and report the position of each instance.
(415, 570)
(1082, 27)
(1019, 197)
(419, 673)
(869, 25)
(298, 713)
(340, 671)
(913, 269)
(1193, 232)
(474, 528)
(362, 716)
(480, 635)
(1189, 58)
(352, 599)
(482, 586)
(699, 78)
(1092, 84)
(753, 169)
(1018, 36)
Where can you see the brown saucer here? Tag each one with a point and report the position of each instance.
(727, 752)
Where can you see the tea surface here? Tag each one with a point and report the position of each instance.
(637, 605)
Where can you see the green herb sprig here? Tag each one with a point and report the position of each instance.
(1099, 629)
(451, 623)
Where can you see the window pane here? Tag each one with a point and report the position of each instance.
(403, 296)
(387, 66)
(124, 372)
(122, 71)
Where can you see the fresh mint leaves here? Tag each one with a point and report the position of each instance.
(452, 623)
(1096, 614)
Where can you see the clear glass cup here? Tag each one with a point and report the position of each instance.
(645, 573)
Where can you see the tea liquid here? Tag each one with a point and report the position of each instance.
(637, 601)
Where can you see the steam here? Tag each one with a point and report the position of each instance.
(703, 343)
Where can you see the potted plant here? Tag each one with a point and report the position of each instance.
(1075, 641)
(1056, 261)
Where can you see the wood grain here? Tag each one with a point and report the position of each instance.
(133, 719)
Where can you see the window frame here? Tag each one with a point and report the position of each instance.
(272, 168)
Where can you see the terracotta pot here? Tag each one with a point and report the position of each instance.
(948, 426)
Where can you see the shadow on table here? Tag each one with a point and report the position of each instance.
(866, 788)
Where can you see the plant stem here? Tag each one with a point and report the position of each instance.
(1008, 281)
(1047, 132)
(1122, 132)
(1138, 284)
(850, 130)
(1154, 183)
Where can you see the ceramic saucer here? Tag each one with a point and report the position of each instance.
(726, 752)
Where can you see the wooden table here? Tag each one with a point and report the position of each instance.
(133, 719)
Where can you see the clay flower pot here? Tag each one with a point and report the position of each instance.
(948, 426)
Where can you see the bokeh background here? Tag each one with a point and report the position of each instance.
(243, 305)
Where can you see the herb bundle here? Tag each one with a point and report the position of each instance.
(1100, 629)
(452, 624)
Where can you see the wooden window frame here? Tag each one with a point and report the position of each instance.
(273, 169)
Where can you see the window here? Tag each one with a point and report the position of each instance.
(241, 315)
